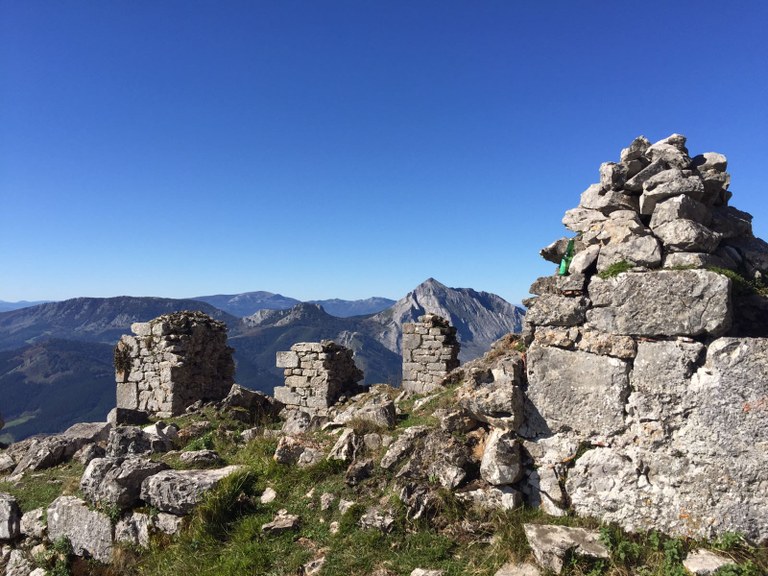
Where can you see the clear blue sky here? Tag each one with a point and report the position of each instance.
(344, 149)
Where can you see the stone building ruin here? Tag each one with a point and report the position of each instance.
(317, 375)
(171, 362)
(430, 352)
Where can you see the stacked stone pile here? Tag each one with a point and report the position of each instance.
(430, 352)
(648, 370)
(171, 362)
(317, 374)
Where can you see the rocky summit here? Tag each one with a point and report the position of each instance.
(622, 433)
(648, 359)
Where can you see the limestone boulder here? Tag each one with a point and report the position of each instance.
(134, 529)
(551, 544)
(492, 498)
(346, 446)
(635, 150)
(552, 310)
(687, 236)
(376, 409)
(502, 460)
(661, 303)
(710, 161)
(680, 208)
(498, 402)
(667, 184)
(582, 219)
(127, 441)
(33, 524)
(10, 517)
(705, 563)
(117, 481)
(575, 390)
(89, 531)
(179, 491)
(607, 199)
(201, 458)
(293, 451)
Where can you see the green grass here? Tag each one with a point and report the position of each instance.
(39, 489)
(615, 269)
(741, 285)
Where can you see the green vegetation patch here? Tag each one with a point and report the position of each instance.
(615, 269)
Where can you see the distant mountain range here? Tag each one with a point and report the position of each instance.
(56, 358)
(7, 306)
(249, 303)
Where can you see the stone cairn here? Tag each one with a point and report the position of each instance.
(430, 352)
(646, 405)
(317, 375)
(172, 362)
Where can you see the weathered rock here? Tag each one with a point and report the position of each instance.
(754, 254)
(551, 544)
(133, 529)
(201, 458)
(378, 519)
(439, 457)
(53, 450)
(10, 517)
(687, 236)
(168, 523)
(558, 285)
(33, 524)
(117, 481)
(731, 223)
(358, 471)
(346, 446)
(268, 495)
(636, 149)
(499, 403)
(260, 406)
(502, 462)
(582, 219)
(403, 446)
(710, 161)
(424, 572)
(585, 260)
(661, 303)
(635, 183)
(694, 260)
(179, 491)
(667, 184)
(375, 409)
(705, 563)
(282, 522)
(520, 569)
(297, 451)
(552, 310)
(7, 464)
(575, 390)
(128, 440)
(89, 531)
(88, 453)
(492, 498)
(680, 208)
(18, 564)
(606, 200)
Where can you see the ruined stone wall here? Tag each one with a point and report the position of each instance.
(639, 376)
(317, 374)
(171, 362)
(430, 351)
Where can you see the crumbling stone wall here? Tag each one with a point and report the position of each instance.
(639, 374)
(317, 374)
(430, 351)
(171, 362)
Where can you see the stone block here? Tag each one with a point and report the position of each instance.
(128, 395)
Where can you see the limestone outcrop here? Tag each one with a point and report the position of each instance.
(648, 362)
(172, 362)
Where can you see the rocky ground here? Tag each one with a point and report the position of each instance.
(384, 484)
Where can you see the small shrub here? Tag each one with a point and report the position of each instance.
(615, 269)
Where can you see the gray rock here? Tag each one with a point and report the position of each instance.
(558, 285)
(268, 495)
(377, 519)
(358, 471)
(127, 441)
(7, 464)
(282, 522)
(134, 529)
(346, 446)
(492, 498)
(705, 563)
(575, 390)
(33, 524)
(661, 303)
(376, 409)
(18, 564)
(582, 219)
(636, 149)
(403, 446)
(501, 463)
(117, 481)
(636, 183)
(552, 310)
(162, 436)
(10, 517)
(89, 531)
(730, 222)
(671, 154)
(260, 406)
(168, 523)
(439, 457)
(694, 260)
(640, 250)
(88, 453)
(754, 253)
(668, 184)
(606, 200)
(297, 451)
(687, 236)
(499, 402)
(201, 458)
(555, 251)
(710, 161)
(680, 207)
(179, 491)
(519, 569)
(551, 544)
(424, 572)
(584, 260)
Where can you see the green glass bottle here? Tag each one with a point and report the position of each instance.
(566, 261)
